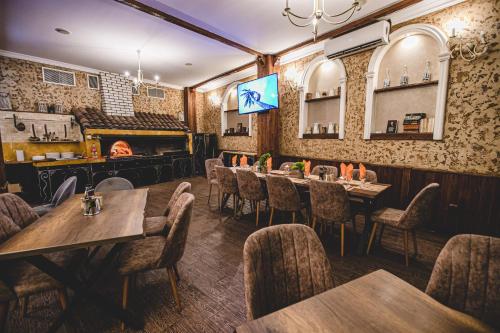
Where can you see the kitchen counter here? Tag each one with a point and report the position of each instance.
(59, 162)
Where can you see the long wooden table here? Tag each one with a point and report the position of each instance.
(65, 228)
(377, 302)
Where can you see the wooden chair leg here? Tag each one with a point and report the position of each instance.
(374, 230)
(173, 285)
(382, 228)
(271, 217)
(313, 223)
(126, 281)
(218, 200)
(235, 205)
(406, 246)
(342, 239)
(414, 235)
(177, 273)
(4, 311)
(24, 306)
(209, 193)
(257, 213)
(63, 298)
(293, 217)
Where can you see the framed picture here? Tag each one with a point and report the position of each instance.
(5, 102)
(392, 126)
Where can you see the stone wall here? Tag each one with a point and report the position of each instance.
(172, 104)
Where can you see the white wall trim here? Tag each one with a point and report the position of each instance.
(223, 108)
(420, 9)
(302, 53)
(444, 59)
(215, 84)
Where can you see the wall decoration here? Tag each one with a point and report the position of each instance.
(427, 71)
(387, 79)
(392, 126)
(5, 102)
(404, 76)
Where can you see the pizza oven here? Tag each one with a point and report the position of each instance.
(142, 146)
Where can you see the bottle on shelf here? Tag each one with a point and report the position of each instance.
(404, 77)
(427, 71)
(387, 79)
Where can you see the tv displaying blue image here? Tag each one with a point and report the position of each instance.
(258, 95)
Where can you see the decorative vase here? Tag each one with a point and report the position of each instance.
(300, 174)
(387, 80)
(404, 80)
(427, 71)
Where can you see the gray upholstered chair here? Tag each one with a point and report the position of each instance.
(159, 225)
(283, 196)
(228, 186)
(283, 265)
(114, 184)
(330, 170)
(330, 203)
(158, 252)
(419, 211)
(211, 176)
(64, 191)
(466, 277)
(284, 165)
(17, 210)
(371, 176)
(250, 188)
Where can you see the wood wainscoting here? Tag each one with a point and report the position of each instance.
(468, 203)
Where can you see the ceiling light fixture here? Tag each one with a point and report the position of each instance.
(319, 14)
(140, 75)
(62, 31)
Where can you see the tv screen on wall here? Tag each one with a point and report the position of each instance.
(258, 95)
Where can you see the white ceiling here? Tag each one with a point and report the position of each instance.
(105, 34)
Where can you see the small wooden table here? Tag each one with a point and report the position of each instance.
(65, 228)
(377, 302)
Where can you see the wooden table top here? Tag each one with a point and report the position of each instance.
(65, 227)
(377, 302)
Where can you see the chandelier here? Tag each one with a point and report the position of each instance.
(319, 13)
(139, 79)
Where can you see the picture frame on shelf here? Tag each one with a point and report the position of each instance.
(392, 127)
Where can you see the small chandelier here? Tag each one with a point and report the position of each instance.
(140, 75)
(319, 13)
(467, 48)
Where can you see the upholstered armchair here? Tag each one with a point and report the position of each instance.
(17, 210)
(283, 265)
(228, 186)
(64, 191)
(211, 175)
(283, 196)
(330, 203)
(251, 188)
(114, 184)
(329, 170)
(466, 277)
(159, 225)
(419, 211)
(371, 176)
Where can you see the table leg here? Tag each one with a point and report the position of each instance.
(369, 206)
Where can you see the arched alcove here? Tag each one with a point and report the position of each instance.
(229, 112)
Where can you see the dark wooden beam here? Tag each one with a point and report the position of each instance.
(232, 71)
(186, 25)
(190, 108)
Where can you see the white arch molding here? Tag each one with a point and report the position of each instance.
(444, 63)
(223, 109)
(304, 86)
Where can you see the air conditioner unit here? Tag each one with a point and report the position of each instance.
(358, 40)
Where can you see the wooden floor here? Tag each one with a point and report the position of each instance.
(211, 286)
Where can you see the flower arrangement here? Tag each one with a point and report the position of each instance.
(300, 167)
(263, 162)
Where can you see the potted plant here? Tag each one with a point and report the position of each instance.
(299, 167)
(263, 162)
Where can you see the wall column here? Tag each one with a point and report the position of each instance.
(190, 108)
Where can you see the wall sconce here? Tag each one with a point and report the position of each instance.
(468, 48)
(214, 99)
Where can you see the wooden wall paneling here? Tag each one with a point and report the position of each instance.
(190, 108)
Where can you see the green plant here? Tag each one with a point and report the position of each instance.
(298, 166)
(263, 158)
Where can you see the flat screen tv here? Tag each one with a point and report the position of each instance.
(258, 95)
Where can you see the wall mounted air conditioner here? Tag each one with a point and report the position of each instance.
(358, 40)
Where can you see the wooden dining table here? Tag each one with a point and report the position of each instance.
(66, 228)
(377, 302)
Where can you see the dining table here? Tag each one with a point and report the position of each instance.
(368, 194)
(66, 228)
(376, 302)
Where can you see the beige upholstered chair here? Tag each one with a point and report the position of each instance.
(371, 176)
(17, 210)
(114, 184)
(250, 188)
(159, 251)
(419, 211)
(283, 264)
(283, 196)
(159, 225)
(228, 185)
(330, 203)
(330, 170)
(466, 277)
(211, 176)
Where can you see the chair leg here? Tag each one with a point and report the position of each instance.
(209, 193)
(382, 228)
(173, 285)
(342, 239)
(313, 222)
(24, 306)
(126, 281)
(235, 205)
(414, 234)
(293, 217)
(177, 273)
(374, 230)
(218, 200)
(271, 217)
(406, 247)
(257, 214)
(63, 298)
(4, 311)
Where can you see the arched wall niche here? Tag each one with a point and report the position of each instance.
(229, 113)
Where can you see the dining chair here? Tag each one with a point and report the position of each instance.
(357, 204)
(158, 225)
(64, 191)
(114, 184)
(158, 252)
(228, 186)
(211, 176)
(283, 265)
(251, 188)
(419, 211)
(371, 176)
(330, 203)
(330, 170)
(283, 196)
(466, 277)
(17, 210)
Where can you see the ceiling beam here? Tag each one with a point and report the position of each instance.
(232, 71)
(186, 25)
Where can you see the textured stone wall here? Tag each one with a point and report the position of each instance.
(172, 104)
(116, 94)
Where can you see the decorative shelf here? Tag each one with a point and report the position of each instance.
(321, 99)
(408, 86)
(59, 141)
(401, 136)
(321, 136)
(236, 134)
(232, 110)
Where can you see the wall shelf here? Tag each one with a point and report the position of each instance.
(236, 134)
(401, 136)
(408, 86)
(54, 142)
(321, 99)
(321, 136)
(232, 110)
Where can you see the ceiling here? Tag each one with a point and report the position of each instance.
(105, 34)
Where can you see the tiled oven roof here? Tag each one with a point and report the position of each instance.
(94, 118)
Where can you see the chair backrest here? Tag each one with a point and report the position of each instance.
(226, 179)
(175, 241)
(283, 194)
(371, 176)
(7, 228)
(330, 170)
(466, 277)
(210, 167)
(65, 191)
(183, 187)
(421, 208)
(17, 209)
(329, 201)
(283, 264)
(249, 185)
(284, 165)
(114, 184)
